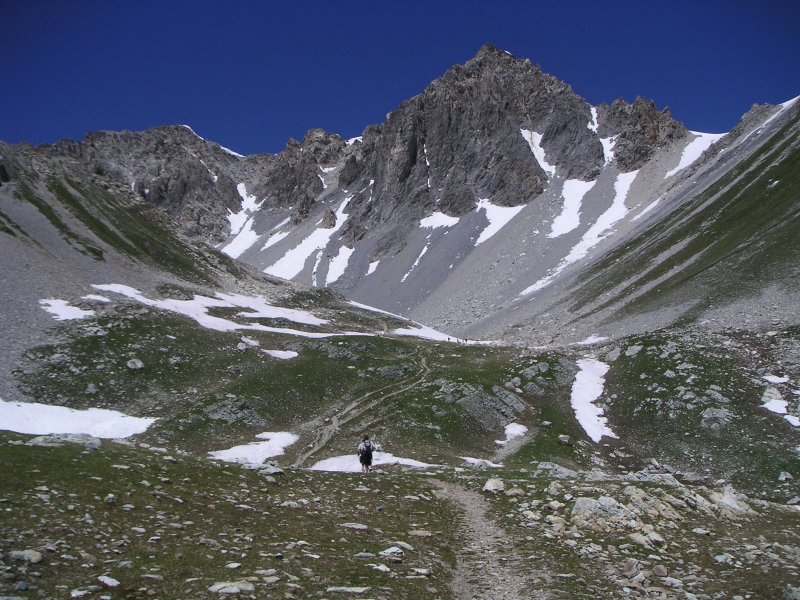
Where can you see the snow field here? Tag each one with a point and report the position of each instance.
(694, 150)
(292, 263)
(63, 311)
(338, 264)
(586, 389)
(43, 419)
(512, 430)
(573, 192)
(349, 463)
(535, 142)
(498, 217)
(257, 452)
(595, 234)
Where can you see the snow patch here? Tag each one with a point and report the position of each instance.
(513, 430)
(338, 264)
(257, 452)
(197, 309)
(535, 142)
(414, 266)
(353, 140)
(292, 263)
(498, 217)
(372, 267)
(229, 151)
(63, 311)
(282, 354)
(595, 233)
(608, 148)
(592, 339)
(573, 192)
(274, 239)
(587, 388)
(593, 124)
(43, 419)
(244, 239)
(775, 379)
(438, 219)
(694, 150)
(480, 462)
(350, 464)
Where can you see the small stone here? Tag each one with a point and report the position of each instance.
(724, 559)
(420, 533)
(31, 556)
(660, 571)
(356, 526)
(108, 581)
(494, 485)
(135, 364)
(565, 439)
(347, 590)
(231, 587)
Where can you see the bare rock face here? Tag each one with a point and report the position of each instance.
(640, 129)
(456, 143)
(460, 141)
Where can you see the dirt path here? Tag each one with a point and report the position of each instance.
(488, 567)
(358, 407)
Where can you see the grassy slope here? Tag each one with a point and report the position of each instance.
(751, 227)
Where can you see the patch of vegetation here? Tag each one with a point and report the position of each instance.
(745, 221)
(80, 243)
(693, 405)
(172, 528)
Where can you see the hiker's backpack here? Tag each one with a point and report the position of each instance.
(366, 451)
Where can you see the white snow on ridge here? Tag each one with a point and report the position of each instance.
(338, 264)
(573, 192)
(349, 463)
(257, 452)
(595, 233)
(534, 141)
(498, 217)
(63, 311)
(229, 151)
(438, 219)
(294, 260)
(694, 149)
(43, 419)
(353, 140)
(586, 389)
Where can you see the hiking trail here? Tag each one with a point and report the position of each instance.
(356, 408)
(489, 566)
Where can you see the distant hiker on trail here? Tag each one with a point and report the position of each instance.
(364, 452)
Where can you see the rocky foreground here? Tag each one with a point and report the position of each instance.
(85, 518)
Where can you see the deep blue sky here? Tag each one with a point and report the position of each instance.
(251, 74)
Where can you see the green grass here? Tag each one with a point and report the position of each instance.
(751, 226)
(660, 414)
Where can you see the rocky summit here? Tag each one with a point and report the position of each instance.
(571, 331)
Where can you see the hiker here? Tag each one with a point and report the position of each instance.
(364, 452)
